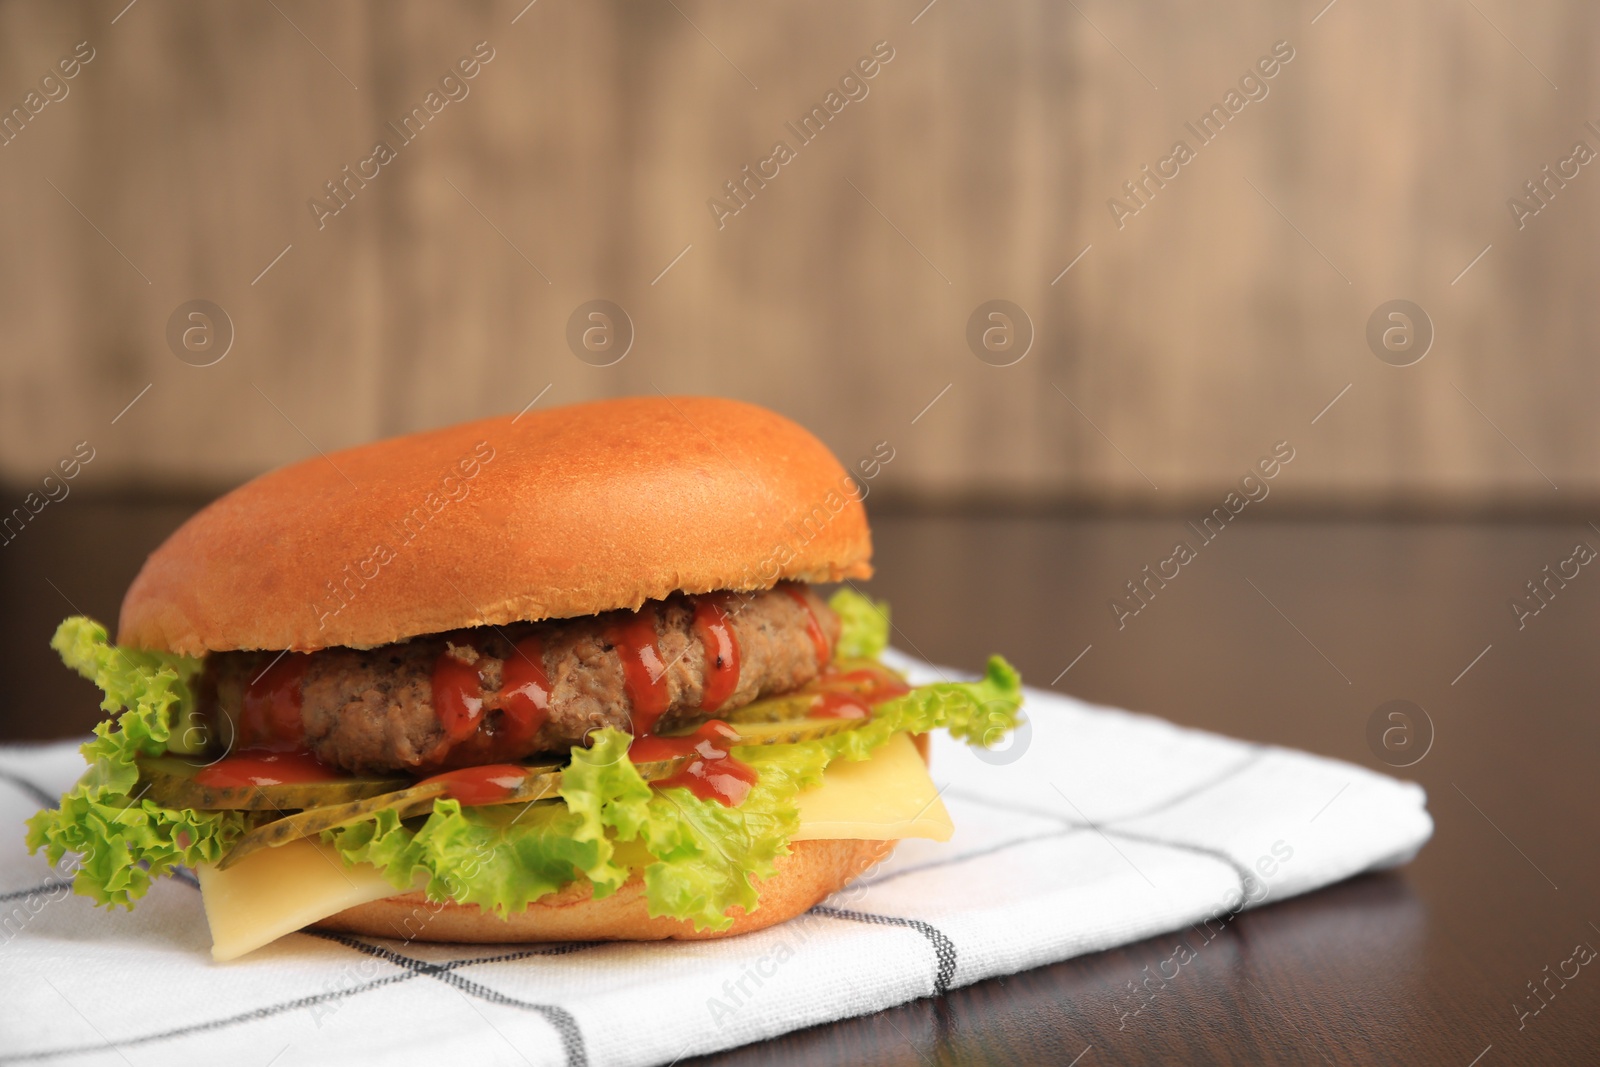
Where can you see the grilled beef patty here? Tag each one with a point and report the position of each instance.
(372, 710)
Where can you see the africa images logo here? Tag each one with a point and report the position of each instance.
(852, 87)
(1253, 86)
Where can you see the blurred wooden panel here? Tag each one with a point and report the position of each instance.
(1219, 319)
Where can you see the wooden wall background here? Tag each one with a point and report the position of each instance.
(1221, 319)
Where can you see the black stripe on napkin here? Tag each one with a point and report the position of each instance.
(414, 969)
(211, 1024)
(974, 854)
(48, 887)
(943, 948)
(561, 1020)
(1227, 774)
(1069, 826)
(43, 796)
(1244, 874)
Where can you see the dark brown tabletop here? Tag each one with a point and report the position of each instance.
(1288, 632)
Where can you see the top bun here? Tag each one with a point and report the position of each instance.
(550, 514)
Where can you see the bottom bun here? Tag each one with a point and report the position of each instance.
(810, 872)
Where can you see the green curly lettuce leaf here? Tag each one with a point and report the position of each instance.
(123, 841)
(979, 713)
(863, 625)
(499, 857)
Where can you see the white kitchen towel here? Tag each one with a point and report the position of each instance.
(1093, 827)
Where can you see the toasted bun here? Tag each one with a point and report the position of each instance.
(811, 871)
(550, 514)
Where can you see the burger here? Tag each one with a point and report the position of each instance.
(559, 676)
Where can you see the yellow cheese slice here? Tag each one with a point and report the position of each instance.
(885, 798)
(277, 891)
(280, 890)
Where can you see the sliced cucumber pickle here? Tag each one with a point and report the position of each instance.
(786, 708)
(172, 785)
(793, 731)
(406, 802)
(541, 783)
(799, 704)
(656, 770)
(851, 665)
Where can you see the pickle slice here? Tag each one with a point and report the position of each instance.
(798, 705)
(786, 708)
(656, 770)
(847, 665)
(541, 783)
(793, 731)
(172, 785)
(406, 802)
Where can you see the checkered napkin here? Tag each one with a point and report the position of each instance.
(1095, 827)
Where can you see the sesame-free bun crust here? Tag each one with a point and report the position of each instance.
(552, 514)
(812, 871)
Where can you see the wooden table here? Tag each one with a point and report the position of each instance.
(1292, 633)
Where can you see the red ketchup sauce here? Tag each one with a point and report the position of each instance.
(644, 675)
(867, 687)
(819, 636)
(525, 690)
(491, 784)
(270, 715)
(457, 696)
(714, 626)
(259, 766)
(711, 773)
